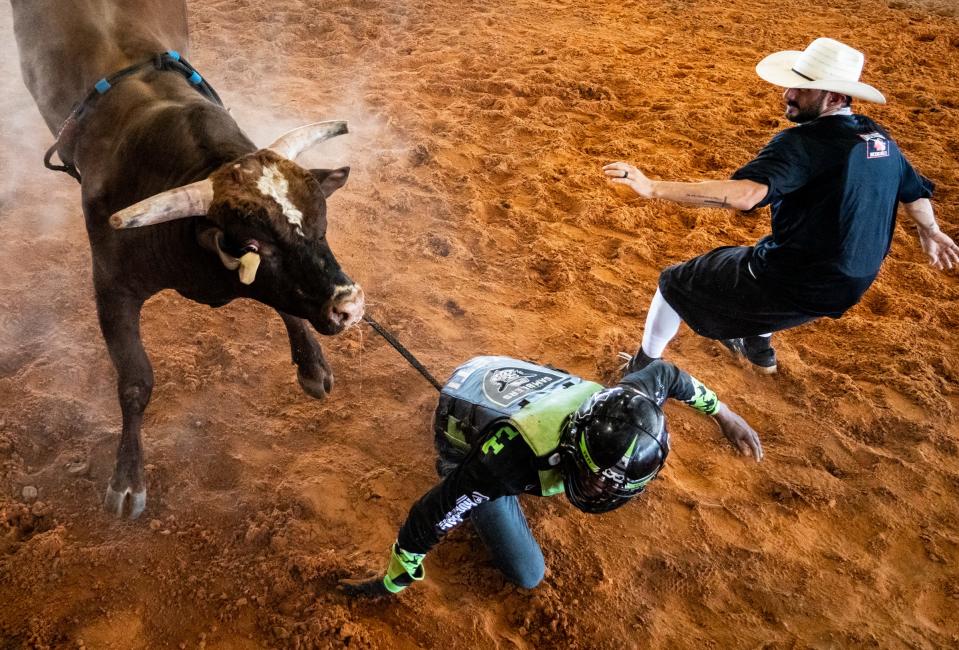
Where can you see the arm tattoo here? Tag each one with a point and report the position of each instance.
(709, 200)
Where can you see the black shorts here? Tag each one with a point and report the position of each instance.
(718, 297)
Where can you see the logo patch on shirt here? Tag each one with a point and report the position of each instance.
(876, 145)
(506, 386)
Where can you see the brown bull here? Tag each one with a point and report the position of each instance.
(240, 223)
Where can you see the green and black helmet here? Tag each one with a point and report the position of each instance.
(612, 446)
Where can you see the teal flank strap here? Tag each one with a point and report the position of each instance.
(404, 568)
(169, 60)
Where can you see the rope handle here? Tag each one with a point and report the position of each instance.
(65, 168)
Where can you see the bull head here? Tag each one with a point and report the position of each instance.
(268, 212)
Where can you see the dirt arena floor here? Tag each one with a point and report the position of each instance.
(478, 221)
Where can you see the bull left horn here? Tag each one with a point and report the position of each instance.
(292, 144)
(187, 201)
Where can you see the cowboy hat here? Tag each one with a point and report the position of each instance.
(826, 64)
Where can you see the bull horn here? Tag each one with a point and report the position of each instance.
(292, 144)
(187, 201)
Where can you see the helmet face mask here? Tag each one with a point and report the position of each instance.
(613, 445)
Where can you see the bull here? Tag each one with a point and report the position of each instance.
(176, 196)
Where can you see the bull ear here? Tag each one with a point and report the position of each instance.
(331, 179)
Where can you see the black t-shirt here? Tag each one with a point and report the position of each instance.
(834, 186)
(509, 467)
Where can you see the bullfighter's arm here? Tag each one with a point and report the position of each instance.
(942, 250)
(734, 194)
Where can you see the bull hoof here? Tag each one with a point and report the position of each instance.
(115, 502)
(316, 388)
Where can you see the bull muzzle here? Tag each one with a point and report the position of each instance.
(346, 306)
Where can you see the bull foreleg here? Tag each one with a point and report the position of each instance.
(313, 372)
(120, 324)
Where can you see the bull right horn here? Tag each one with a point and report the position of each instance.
(292, 144)
(187, 201)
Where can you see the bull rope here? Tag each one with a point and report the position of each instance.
(169, 60)
(403, 351)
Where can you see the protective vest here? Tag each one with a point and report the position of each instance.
(489, 391)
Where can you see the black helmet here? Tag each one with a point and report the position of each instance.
(613, 445)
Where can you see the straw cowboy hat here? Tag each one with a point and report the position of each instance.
(825, 64)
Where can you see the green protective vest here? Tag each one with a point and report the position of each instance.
(488, 391)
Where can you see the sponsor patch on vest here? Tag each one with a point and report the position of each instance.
(506, 386)
(876, 145)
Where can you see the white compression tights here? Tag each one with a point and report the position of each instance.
(662, 323)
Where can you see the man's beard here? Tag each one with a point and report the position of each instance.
(807, 114)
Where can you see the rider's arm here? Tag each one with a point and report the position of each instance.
(733, 194)
(736, 194)
(450, 501)
(661, 380)
(915, 190)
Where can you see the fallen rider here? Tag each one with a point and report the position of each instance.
(504, 427)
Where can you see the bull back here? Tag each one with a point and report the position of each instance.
(67, 45)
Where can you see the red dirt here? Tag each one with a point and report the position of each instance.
(478, 221)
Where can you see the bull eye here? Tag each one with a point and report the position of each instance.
(250, 246)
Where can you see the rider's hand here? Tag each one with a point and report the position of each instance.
(739, 433)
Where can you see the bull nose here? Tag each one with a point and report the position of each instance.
(347, 306)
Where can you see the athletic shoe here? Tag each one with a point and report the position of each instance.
(757, 350)
(634, 363)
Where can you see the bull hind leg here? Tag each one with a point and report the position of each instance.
(120, 324)
(313, 372)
